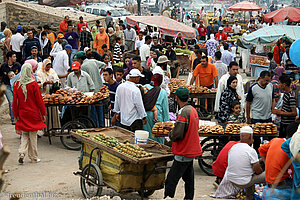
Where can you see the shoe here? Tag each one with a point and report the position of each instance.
(36, 160)
(21, 160)
(13, 123)
(216, 185)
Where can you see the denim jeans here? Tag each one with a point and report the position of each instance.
(73, 53)
(9, 96)
(97, 115)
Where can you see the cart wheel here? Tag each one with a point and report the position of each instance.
(147, 193)
(210, 154)
(86, 121)
(66, 139)
(93, 186)
(209, 140)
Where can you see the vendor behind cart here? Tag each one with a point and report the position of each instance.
(186, 146)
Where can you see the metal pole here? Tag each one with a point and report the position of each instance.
(139, 7)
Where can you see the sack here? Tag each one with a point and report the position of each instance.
(54, 88)
(150, 97)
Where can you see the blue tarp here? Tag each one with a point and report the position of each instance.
(271, 34)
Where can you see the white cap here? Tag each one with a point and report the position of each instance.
(221, 29)
(86, 49)
(135, 73)
(246, 129)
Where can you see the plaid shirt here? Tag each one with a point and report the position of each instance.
(85, 39)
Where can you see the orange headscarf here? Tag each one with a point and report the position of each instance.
(100, 39)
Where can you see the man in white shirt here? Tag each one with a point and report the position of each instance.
(16, 43)
(129, 35)
(61, 64)
(57, 47)
(236, 28)
(243, 168)
(233, 70)
(129, 103)
(145, 51)
(140, 40)
(221, 67)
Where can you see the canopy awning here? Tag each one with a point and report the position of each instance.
(167, 26)
(271, 34)
(290, 13)
(244, 6)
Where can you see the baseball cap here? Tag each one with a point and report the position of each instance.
(135, 73)
(19, 28)
(75, 65)
(68, 47)
(86, 49)
(221, 29)
(246, 129)
(60, 36)
(182, 92)
(80, 54)
(34, 47)
(162, 59)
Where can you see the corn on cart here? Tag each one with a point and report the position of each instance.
(110, 158)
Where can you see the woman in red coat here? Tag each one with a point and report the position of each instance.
(29, 110)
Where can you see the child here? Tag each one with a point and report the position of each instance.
(237, 116)
(13, 78)
(117, 51)
(11, 74)
(145, 94)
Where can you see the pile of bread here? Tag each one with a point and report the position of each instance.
(161, 129)
(217, 129)
(176, 83)
(258, 128)
(73, 97)
(260, 61)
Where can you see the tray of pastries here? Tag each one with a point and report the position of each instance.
(258, 128)
(217, 129)
(162, 129)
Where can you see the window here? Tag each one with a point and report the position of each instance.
(103, 13)
(96, 11)
(88, 10)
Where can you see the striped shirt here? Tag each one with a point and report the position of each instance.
(112, 94)
(117, 50)
(289, 101)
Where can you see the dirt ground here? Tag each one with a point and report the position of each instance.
(54, 177)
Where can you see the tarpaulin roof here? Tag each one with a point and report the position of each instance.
(271, 34)
(290, 13)
(167, 26)
(244, 6)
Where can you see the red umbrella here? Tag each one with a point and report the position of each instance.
(244, 6)
(290, 13)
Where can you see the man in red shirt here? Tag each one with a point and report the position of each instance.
(220, 165)
(228, 29)
(221, 35)
(202, 31)
(186, 146)
(64, 25)
(80, 24)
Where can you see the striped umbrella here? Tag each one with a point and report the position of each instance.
(244, 6)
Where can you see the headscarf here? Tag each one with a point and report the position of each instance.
(212, 37)
(26, 78)
(45, 63)
(103, 33)
(117, 27)
(182, 39)
(33, 63)
(43, 42)
(295, 143)
(94, 32)
(158, 55)
(110, 29)
(156, 79)
(229, 81)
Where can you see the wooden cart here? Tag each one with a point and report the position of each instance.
(74, 122)
(212, 144)
(104, 166)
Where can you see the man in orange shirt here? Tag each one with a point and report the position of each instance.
(64, 25)
(207, 75)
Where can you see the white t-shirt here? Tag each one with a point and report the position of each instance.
(240, 159)
(139, 43)
(16, 41)
(236, 29)
(144, 52)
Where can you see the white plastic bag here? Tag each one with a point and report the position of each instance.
(190, 76)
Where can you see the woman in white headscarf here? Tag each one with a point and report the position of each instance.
(29, 111)
(212, 45)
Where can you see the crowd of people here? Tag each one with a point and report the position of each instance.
(137, 65)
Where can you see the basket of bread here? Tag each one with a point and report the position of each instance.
(258, 128)
(70, 96)
(162, 129)
(216, 129)
(176, 83)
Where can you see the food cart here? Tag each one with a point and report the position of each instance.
(258, 64)
(215, 138)
(75, 101)
(105, 164)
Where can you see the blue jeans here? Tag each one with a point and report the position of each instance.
(97, 115)
(73, 53)
(9, 96)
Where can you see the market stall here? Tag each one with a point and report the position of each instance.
(111, 158)
(292, 14)
(75, 102)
